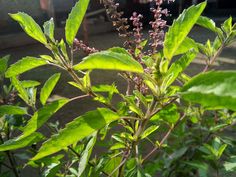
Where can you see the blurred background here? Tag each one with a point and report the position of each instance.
(42, 10)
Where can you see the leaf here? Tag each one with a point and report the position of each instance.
(3, 64)
(49, 29)
(22, 92)
(29, 83)
(42, 116)
(108, 60)
(48, 87)
(186, 45)
(169, 114)
(149, 131)
(12, 110)
(215, 90)
(21, 142)
(52, 170)
(112, 165)
(227, 26)
(178, 67)
(24, 65)
(231, 164)
(78, 129)
(29, 26)
(221, 150)
(75, 19)
(119, 50)
(207, 23)
(105, 88)
(86, 154)
(180, 29)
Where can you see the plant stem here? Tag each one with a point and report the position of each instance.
(213, 59)
(11, 160)
(79, 156)
(79, 97)
(164, 138)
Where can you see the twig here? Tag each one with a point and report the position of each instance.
(79, 156)
(79, 97)
(213, 59)
(164, 138)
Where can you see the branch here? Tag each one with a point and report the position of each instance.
(164, 138)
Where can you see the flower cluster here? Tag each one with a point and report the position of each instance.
(80, 45)
(137, 32)
(157, 33)
(119, 22)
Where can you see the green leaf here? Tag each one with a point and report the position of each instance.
(177, 68)
(24, 65)
(86, 154)
(78, 129)
(112, 165)
(186, 45)
(169, 114)
(48, 87)
(29, 26)
(108, 60)
(221, 150)
(75, 19)
(105, 88)
(42, 116)
(49, 29)
(3, 64)
(22, 91)
(180, 29)
(63, 49)
(207, 23)
(21, 142)
(227, 26)
(149, 131)
(52, 170)
(12, 110)
(119, 50)
(231, 164)
(29, 83)
(216, 90)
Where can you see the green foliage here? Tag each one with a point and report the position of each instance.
(21, 142)
(24, 65)
(86, 124)
(109, 60)
(14, 110)
(48, 87)
(180, 29)
(75, 19)
(214, 90)
(188, 120)
(29, 26)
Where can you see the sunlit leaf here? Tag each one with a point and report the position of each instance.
(49, 29)
(42, 116)
(207, 23)
(75, 19)
(29, 26)
(12, 110)
(108, 60)
(48, 87)
(86, 154)
(216, 90)
(24, 65)
(180, 29)
(78, 129)
(21, 142)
